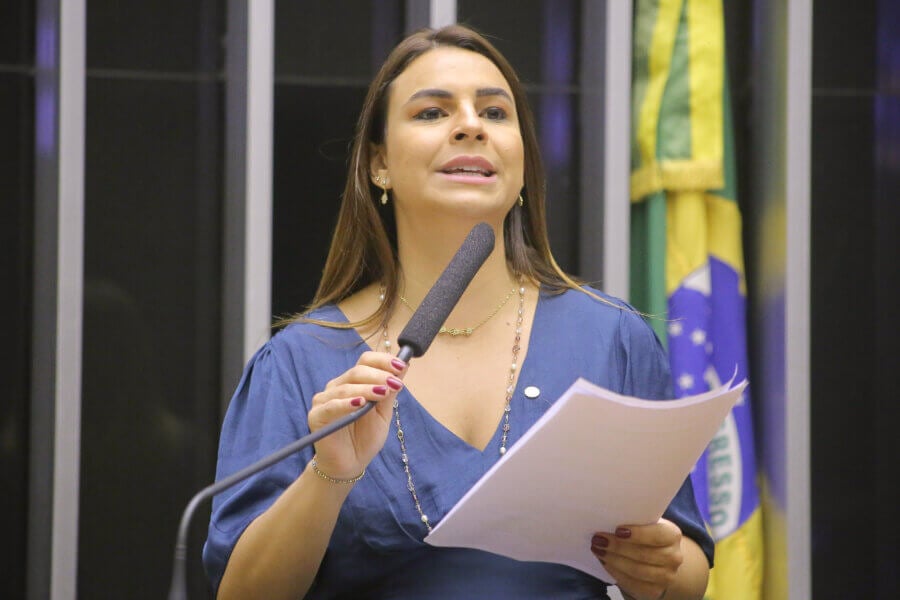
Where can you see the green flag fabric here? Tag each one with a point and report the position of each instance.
(686, 258)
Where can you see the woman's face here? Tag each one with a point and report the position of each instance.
(452, 142)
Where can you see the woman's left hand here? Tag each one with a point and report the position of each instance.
(644, 559)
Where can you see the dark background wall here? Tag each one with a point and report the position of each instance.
(855, 285)
(16, 216)
(855, 282)
(152, 288)
(320, 84)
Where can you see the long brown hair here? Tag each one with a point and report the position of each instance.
(364, 244)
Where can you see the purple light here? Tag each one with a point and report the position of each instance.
(46, 44)
(558, 67)
(46, 109)
(45, 112)
(888, 45)
(887, 106)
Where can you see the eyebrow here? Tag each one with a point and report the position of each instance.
(439, 93)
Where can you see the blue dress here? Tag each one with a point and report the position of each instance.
(376, 550)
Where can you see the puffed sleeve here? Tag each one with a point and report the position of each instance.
(647, 375)
(267, 412)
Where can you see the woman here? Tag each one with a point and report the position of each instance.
(445, 140)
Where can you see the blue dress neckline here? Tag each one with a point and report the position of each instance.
(429, 421)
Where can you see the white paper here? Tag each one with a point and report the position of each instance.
(594, 461)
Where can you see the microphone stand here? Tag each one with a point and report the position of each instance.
(178, 586)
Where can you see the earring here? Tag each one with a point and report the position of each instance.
(521, 200)
(382, 181)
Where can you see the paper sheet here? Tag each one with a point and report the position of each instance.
(594, 461)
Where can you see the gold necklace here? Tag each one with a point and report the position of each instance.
(466, 331)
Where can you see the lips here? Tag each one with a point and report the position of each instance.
(469, 166)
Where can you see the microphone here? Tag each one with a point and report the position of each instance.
(414, 340)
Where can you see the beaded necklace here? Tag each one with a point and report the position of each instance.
(510, 388)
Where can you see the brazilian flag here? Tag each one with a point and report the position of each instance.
(687, 268)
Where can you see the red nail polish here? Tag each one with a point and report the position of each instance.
(398, 364)
(394, 383)
(600, 541)
(380, 390)
(599, 551)
(356, 402)
(623, 532)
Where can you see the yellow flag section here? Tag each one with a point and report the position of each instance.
(673, 148)
(687, 262)
(697, 225)
(697, 235)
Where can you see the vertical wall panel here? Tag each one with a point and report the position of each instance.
(887, 326)
(318, 96)
(443, 13)
(798, 200)
(779, 258)
(855, 283)
(16, 239)
(605, 205)
(247, 264)
(56, 327)
(152, 289)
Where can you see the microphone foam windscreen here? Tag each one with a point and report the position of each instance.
(445, 293)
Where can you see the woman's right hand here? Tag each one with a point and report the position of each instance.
(376, 377)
